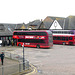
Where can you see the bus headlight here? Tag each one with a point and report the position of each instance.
(67, 43)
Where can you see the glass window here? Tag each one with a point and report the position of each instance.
(58, 38)
(58, 31)
(30, 33)
(71, 33)
(50, 39)
(70, 38)
(54, 38)
(65, 32)
(53, 31)
(31, 40)
(62, 32)
(66, 38)
(63, 38)
(68, 32)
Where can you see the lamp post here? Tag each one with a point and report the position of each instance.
(23, 58)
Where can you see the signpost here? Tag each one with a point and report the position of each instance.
(23, 58)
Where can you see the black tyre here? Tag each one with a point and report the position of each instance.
(63, 43)
(19, 45)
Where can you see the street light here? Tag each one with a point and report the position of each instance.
(23, 58)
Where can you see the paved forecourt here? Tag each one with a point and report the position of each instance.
(59, 60)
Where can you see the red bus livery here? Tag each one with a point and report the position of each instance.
(37, 38)
(66, 37)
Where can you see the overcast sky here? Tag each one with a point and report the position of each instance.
(19, 11)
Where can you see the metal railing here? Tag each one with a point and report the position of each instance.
(13, 69)
(16, 68)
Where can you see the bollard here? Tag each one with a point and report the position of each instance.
(18, 57)
(10, 55)
(19, 67)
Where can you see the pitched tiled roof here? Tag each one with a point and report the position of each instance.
(47, 23)
(48, 19)
(6, 33)
(11, 26)
(59, 19)
(2, 27)
(18, 26)
(35, 23)
(70, 22)
(6, 29)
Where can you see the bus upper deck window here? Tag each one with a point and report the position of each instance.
(55, 32)
(65, 32)
(72, 33)
(68, 32)
(62, 32)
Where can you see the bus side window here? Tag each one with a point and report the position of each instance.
(58, 38)
(70, 38)
(66, 38)
(63, 38)
(68, 32)
(71, 33)
(54, 38)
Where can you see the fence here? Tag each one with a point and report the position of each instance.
(12, 69)
(14, 56)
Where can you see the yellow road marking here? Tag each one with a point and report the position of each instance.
(34, 71)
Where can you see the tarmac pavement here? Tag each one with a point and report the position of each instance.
(8, 62)
(59, 60)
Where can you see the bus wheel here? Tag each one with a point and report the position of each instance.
(19, 45)
(38, 46)
(63, 43)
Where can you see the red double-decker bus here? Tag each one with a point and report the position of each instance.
(36, 38)
(66, 37)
